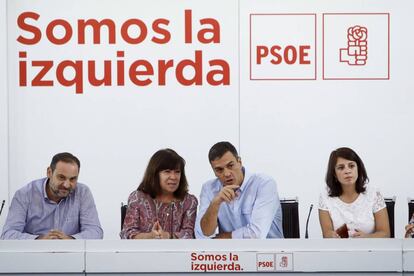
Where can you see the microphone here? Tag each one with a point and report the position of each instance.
(307, 222)
(2, 205)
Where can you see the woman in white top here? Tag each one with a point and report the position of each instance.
(350, 201)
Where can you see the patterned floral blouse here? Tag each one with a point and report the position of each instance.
(143, 211)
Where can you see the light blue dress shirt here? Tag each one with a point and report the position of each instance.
(32, 213)
(254, 214)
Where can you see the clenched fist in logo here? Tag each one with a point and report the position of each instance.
(357, 51)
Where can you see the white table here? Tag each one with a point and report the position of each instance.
(408, 255)
(373, 255)
(42, 257)
(179, 256)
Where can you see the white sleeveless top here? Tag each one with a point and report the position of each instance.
(356, 215)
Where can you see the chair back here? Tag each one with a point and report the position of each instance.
(410, 208)
(290, 212)
(390, 202)
(123, 213)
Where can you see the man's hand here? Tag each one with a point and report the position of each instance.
(223, 235)
(55, 235)
(227, 194)
(208, 222)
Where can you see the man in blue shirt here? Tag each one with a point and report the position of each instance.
(240, 204)
(56, 207)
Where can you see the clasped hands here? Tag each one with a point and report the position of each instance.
(357, 234)
(409, 230)
(54, 234)
(158, 233)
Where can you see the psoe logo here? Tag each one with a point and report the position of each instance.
(265, 262)
(356, 46)
(356, 52)
(284, 261)
(282, 46)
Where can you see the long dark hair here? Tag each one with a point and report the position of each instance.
(334, 187)
(165, 159)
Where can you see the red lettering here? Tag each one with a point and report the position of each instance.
(132, 31)
(106, 79)
(141, 72)
(142, 31)
(214, 30)
(303, 54)
(22, 69)
(289, 54)
(290, 58)
(196, 65)
(266, 264)
(77, 80)
(21, 22)
(96, 30)
(261, 52)
(205, 35)
(162, 69)
(134, 72)
(188, 26)
(274, 50)
(51, 36)
(209, 257)
(38, 79)
(224, 73)
(156, 26)
(120, 77)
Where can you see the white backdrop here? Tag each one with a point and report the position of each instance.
(3, 112)
(283, 128)
(115, 130)
(289, 128)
